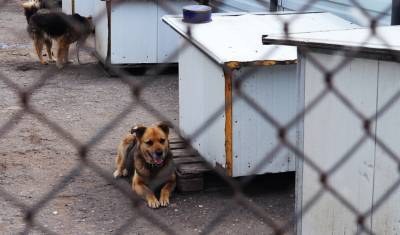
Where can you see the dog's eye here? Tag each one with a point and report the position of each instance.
(149, 142)
(162, 141)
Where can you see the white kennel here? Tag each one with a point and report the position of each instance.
(239, 137)
(131, 32)
(370, 81)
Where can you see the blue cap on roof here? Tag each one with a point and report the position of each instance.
(196, 14)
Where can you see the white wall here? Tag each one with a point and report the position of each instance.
(342, 8)
(345, 9)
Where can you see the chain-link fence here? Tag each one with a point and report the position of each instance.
(366, 122)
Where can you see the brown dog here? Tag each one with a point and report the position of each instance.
(145, 152)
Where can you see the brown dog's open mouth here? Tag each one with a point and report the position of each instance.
(154, 160)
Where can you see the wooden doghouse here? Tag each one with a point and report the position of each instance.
(218, 53)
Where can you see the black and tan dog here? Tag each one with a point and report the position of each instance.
(145, 152)
(45, 25)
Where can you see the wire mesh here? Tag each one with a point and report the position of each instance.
(282, 129)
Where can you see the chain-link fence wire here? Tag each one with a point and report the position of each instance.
(238, 198)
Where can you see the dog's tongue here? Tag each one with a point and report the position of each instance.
(158, 161)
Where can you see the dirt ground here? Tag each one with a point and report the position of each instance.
(81, 99)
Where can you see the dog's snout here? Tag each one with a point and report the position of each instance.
(159, 153)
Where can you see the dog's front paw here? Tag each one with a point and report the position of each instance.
(124, 172)
(164, 200)
(152, 202)
(117, 174)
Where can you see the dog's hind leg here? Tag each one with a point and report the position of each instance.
(60, 54)
(66, 55)
(38, 42)
(49, 44)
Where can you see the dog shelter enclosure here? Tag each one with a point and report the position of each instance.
(332, 103)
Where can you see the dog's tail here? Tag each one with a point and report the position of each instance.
(30, 8)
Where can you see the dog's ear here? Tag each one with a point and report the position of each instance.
(164, 126)
(138, 130)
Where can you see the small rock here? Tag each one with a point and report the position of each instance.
(55, 212)
(201, 206)
(176, 210)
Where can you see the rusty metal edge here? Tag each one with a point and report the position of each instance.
(228, 74)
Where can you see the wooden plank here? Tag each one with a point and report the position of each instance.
(173, 146)
(330, 130)
(183, 152)
(194, 168)
(386, 219)
(190, 184)
(191, 159)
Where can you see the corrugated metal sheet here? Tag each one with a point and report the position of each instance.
(330, 130)
(201, 94)
(274, 88)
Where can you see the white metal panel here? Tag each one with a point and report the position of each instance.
(67, 6)
(167, 40)
(359, 38)
(201, 94)
(82, 7)
(344, 8)
(85, 7)
(300, 143)
(238, 37)
(386, 218)
(134, 32)
(274, 89)
(101, 29)
(330, 130)
(241, 5)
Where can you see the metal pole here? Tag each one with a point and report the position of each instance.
(273, 5)
(395, 12)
